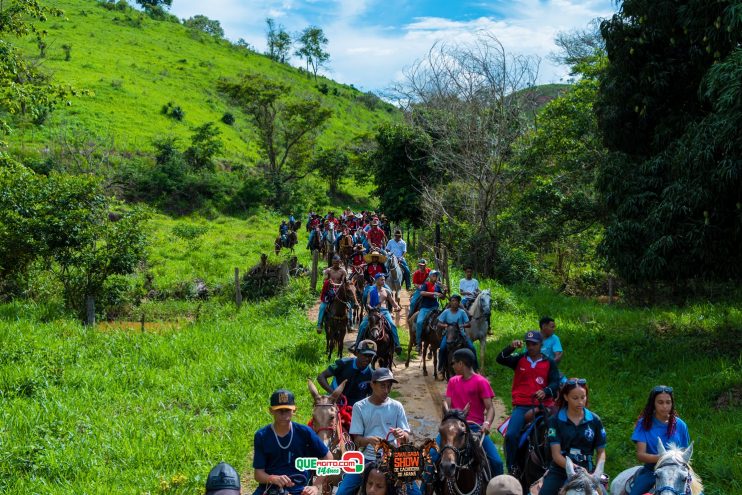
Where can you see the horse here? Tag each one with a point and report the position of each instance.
(327, 424)
(356, 278)
(454, 341)
(394, 280)
(462, 466)
(673, 474)
(479, 317)
(346, 248)
(336, 317)
(534, 453)
(431, 341)
(580, 482)
(382, 336)
(291, 240)
(316, 242)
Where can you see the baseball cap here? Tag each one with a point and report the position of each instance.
(382, 375)
(282, 399)
(378, 275)
(367, 347)
(434, 272)
(504, 485)
(533, 336)
(422, 261)
(223, 480)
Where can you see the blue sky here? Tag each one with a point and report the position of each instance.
(372, 41)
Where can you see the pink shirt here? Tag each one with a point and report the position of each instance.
(472, 391)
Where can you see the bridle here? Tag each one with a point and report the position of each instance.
(671, 489)
(464, 459)
(339, 440)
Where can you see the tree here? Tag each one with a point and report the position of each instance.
(578, 46)
(205, 145)
(286, 126)
(279, 42)
(332, 164)
(312, 42)
(155, 4)
(468, 99)
(202, 23)
(669, 110)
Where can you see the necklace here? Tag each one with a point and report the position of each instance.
(291, 436)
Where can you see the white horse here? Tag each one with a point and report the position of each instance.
(581, 482)
(673, 474)
(394, 281)
(479, 316)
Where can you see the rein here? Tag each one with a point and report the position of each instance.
(688, 481)
(464, 461)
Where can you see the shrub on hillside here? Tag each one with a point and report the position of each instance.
(173, 111)
(228, 118)
(205, 145)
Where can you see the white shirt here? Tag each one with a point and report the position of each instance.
(470, 286)
(398, 249)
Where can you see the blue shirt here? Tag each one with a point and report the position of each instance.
(576, 441)
(429, 302)
(551, 345)
(275, 460)
(680, 436)
(450, 318)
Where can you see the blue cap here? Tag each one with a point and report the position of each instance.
(378, 275)
(533, 336)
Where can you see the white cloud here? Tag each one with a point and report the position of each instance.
(373, 56)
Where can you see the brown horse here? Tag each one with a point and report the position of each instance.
(455, 340)
(327, 425)
(462, 466)
(291, 241)
(379, 332)
(356, 278)
(346, 248)
(431, 341)
(336, 317)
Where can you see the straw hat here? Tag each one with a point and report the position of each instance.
(382, 258)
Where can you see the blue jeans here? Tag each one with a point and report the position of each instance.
(388, 317)
(413, 301)
(443, 352)
(553, 481)
(644, 481)
(517, 420)
(405, 272)
(351, 483)
(419, 323)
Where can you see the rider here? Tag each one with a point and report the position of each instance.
(360, 238)
(659, 420)
(356, 372)
(468, 287)
(454, 316)
(536, 379)
(398, 248)
(223, 479)
(279, 444)
(314, 222)
(374, 265)
(378, 297)
(418, 278)
(334, 275)
(552, 346)
(430, 292)
(376, 236)
(357, 259)
(468, 387)
(376, 482)
(574, 432)
(375, 418)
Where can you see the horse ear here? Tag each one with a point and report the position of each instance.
(660, 447)
(598, 471)
(687, 453)
(313, 389)
(444, 404)
(570, 468)
(338, 391)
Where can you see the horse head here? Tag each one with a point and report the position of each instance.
(579, 481)
(673, 474)
(325, 415)
(462, 459)
(376, 326)
(453, 334)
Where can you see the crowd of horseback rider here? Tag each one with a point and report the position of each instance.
(552, 442)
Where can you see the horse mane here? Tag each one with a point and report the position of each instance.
(581, 480)
(674, 455)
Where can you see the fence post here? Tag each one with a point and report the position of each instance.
(444, 255)
(610, 290)
(141, 321)
(315, 262)
(237, 288)
(284, 273)
(90, 311)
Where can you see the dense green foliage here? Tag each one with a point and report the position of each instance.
(669, 110)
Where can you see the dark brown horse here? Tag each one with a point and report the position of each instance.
(455, 340)
(356, 278)
(336, 317)
(462, 467)
(291, 241)
(431, 341)
(379, 332)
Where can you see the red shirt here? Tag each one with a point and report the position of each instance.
(376, 236)
(529, 380)
(358, 259)
(419, 277)
(374, 268)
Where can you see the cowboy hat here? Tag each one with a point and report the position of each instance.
(358, 247)
(382, 258)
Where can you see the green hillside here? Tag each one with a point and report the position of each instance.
(134, 65)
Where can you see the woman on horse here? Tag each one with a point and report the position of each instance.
(574, 432)
(659, 420)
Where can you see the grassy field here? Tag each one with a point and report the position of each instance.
(134, 65)
(623, 352)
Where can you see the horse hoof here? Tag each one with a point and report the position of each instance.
(425, 372)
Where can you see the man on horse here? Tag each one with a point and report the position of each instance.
(398, 248)
(279, 444)
(334, 276)
(418, 278)
(536, 379)
(355, 372)
(469, 387)
(375, 418)
(378, 297)
(468, 288)
(454, 315)
(375, 265)
(376, 236)
(430, 293)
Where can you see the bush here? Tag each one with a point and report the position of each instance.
(173, 111)
(323, 88)
(228, 118)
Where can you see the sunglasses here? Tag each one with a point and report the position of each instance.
(576, 381)
(661, 389)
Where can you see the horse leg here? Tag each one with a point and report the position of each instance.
(409, 347)
(482, 353)
(425, 350)
(435, 363)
